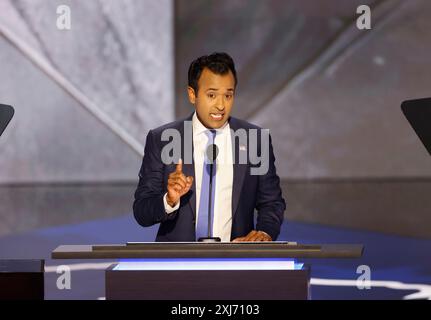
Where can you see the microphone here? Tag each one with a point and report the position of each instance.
(211, 154)
(6, 114)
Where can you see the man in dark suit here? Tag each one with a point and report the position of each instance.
(176, 194)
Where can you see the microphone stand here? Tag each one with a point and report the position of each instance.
(212, 159)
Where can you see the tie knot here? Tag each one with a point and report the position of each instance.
(211, 134)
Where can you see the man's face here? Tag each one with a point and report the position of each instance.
(214, 100)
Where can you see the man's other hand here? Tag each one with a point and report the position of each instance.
(254, 235)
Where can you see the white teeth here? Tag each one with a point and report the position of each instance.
(216, 116)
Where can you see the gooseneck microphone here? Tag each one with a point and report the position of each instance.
(211, 154)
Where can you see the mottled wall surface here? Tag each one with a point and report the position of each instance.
(329, 93)
(344, 120)
(117, 59)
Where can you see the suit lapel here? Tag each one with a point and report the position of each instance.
(189, 168)
(239, 170)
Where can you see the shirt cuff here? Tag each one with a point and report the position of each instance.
(168, 208)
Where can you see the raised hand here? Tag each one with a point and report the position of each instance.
(178, 185)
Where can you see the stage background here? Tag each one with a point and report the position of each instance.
(329, 93)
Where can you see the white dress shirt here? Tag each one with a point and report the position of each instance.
(224, 177)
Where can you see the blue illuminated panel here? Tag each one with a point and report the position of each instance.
(209, 264)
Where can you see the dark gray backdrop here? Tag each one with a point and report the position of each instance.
(329, 93)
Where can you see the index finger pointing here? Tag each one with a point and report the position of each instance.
(179, 168)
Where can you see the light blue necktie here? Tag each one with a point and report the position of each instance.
(202, 226)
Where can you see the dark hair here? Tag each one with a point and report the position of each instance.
(217, 62)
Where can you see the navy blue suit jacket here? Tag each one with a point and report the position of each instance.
(249, 192)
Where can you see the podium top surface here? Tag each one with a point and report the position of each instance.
(207, 250)
(21, 265)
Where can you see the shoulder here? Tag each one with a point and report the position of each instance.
(176, 125)
(236, 123)
(171, 125)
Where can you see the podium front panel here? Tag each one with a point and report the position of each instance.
(196, 282)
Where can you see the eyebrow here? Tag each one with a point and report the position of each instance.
(214, 89)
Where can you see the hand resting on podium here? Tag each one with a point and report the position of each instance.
(254, 236)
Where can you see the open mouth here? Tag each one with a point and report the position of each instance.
(216, 116)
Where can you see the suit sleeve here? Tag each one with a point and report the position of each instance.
(148, 207)
(270, 204)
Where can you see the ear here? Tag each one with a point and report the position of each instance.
(192, 95)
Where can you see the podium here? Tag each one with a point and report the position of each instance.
(22, 279)
(208, 271)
